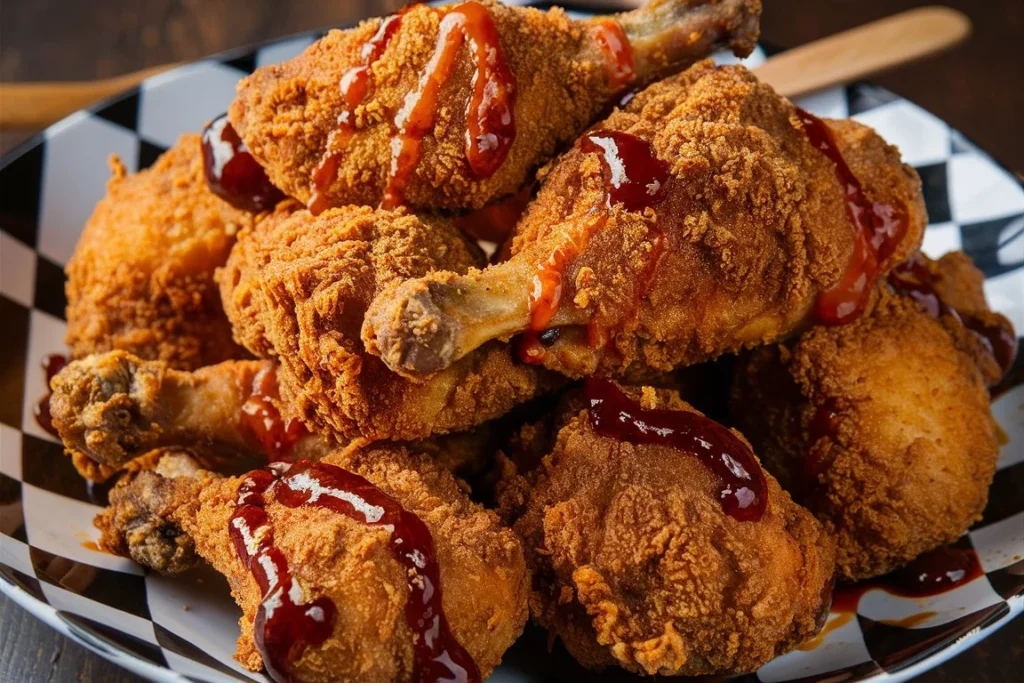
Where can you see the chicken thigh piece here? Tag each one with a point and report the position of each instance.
(706, 216)
(369, 565)
(296, 288)
(454, 106)
(882, 427)
(141, 277)
(658, 545)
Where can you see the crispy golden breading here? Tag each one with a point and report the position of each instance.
(753, 226)
(287, 113)
(141, 277)
(635, 564)
(881, 427)
(114, 407)
(483, 573)
(296, 288)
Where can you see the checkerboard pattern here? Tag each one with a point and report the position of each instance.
(185, 629)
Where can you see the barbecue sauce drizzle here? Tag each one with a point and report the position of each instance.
(878, 227)
(259, 413)
(284, 625)
(634, 178)
(52, 364)
(742, 489)
(619, 63)
(231, 171)
(490, 117)
(354, 85)
(933, 573)
(913, 278)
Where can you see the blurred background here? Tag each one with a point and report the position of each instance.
(977, 87)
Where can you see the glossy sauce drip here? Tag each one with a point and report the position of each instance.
(617, 51)
(354, 85)
(933, 573)
(742, 489)
(634, 178)
(231, 171)
(259, 413)
(52, 364)
(438, 656)
(285, 626)
(912, 278)
(878, 230)
(490, 116)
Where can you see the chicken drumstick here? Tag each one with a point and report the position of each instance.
(708, 215)
(452, 107)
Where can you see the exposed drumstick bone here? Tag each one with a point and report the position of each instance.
(114, 407)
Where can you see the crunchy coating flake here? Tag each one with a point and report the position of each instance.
(636, 565)
(296, 288)
(905, 464)
(141, 277)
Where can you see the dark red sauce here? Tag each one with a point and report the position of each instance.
(490, 116)
(52, 364)
(878, 230)
(231, 171)
(933, 573)
(354, 85)
(742, 488)
(259, 413)
(438, 656)
(634, 175)
(823, 425)
(634, 178)
(284, 628)
(913, 278)
(618, 52)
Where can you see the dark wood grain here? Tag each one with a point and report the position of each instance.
(977, 88)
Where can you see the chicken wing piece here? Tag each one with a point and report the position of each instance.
(639, 561)
(451, 107)
(141, 277)
(698, 220)
(340, 567)
(115, 407)
(296, 288)
(882, 428)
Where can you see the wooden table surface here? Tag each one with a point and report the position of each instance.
(978, 88)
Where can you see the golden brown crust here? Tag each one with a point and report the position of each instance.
(906, 463)
(755, 221)
(141, 277)
(286, 112)
(636, 565)
(296, 289)
(751, 228)
(960, 285)
(483, 573)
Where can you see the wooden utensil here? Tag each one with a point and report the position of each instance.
(846, 56)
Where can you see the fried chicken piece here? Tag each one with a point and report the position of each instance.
(882, 428)
(141, 277)
(296, 288)
(327, 125)
(697, 220)
(637, 565)
(334, 557)
(138, 521)
(115, 407)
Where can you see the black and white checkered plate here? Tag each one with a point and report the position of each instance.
(185, 629)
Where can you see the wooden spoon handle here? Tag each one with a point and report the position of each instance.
(837, 59)
(34, 105)
(864, 50)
